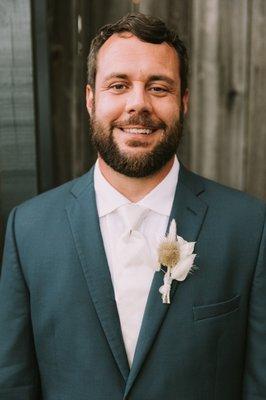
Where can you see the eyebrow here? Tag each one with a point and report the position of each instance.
(151, 78)
(164, 78)
(115, 75)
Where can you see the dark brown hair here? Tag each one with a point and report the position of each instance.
(146, 28)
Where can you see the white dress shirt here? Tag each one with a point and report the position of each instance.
(159, 201)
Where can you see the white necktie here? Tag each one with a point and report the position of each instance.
(135, 262)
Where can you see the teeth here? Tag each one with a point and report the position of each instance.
(138, 130)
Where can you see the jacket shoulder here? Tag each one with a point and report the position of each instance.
(50, 204)
(222, 197)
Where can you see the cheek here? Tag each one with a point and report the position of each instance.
(108, 108)
(168, 111)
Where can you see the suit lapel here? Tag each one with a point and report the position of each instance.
(83, 218)
(189, 212)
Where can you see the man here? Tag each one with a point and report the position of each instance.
(81, 314)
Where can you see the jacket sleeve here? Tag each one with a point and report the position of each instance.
(19, 376)
(254, 383)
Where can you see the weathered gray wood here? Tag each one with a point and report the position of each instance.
(42, 96)
(256, 137)
(64, 67)
(219, 89)
(17, 132)
(155, 7)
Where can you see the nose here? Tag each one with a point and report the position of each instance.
(138, 101)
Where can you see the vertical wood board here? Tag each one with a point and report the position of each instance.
(17, 142)
(204, 110)
(17, 131)
(219, 89)
(256, 136)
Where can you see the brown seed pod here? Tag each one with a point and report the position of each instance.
(168, 254)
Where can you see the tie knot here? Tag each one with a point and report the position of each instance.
(133, 215)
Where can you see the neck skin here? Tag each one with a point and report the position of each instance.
(134, 189)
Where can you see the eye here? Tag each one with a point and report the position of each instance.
(158, 90)
(118, 87)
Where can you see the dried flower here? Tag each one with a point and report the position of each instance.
(177, 255)
(169, 254)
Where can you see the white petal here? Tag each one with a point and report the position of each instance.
(182, 268)
(172, 231)
(162, 289)
(181, 241)
(187, 249)
(165, 288)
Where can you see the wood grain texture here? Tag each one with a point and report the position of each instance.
(44, 134)
(256, 135)
(219, 88)
(16, 94)
(17, 131)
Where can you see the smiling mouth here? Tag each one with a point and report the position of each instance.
(138, 131)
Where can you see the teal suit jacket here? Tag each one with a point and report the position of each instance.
(60, 337)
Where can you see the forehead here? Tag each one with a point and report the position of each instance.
(129, 55)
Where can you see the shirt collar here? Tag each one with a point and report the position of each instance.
(159, 199)
(108, 198)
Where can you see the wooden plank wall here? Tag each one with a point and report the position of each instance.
(68, 78)
(219, 86)
(256, 121)
(226, 138)
(17, 132)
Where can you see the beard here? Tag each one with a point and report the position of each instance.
(137, 165)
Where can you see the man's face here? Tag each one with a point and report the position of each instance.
(136, 108)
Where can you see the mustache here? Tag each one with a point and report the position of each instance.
(143, 120)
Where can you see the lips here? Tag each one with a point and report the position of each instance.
(138, 131)
(139, 125)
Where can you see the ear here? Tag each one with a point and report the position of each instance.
(185, 101)
(89, 99)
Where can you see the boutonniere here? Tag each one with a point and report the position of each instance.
(176, 254)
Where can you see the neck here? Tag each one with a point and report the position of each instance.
(134, 189)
